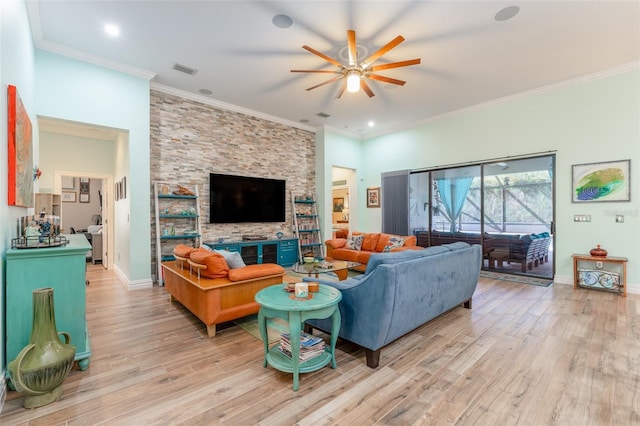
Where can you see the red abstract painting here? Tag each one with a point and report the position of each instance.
(20, 152)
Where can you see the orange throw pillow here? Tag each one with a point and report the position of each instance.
(182, 250)
(369, 242)
(216, 265)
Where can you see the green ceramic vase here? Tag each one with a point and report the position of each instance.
(40, 368)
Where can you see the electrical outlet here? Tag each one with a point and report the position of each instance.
(598, 264)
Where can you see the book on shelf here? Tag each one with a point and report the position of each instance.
(310, 346)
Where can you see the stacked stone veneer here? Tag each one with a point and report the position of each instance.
(190, 139)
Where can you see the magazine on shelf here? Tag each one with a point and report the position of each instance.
(306, 339)
(310, 346)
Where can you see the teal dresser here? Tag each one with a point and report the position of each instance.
(64, 270)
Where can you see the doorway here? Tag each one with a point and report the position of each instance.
(506, 206)
(341, 203)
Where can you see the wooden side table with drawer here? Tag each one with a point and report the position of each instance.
(600, 272)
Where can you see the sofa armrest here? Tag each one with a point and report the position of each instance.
(340, 285)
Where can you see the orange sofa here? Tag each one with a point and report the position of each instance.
(337, 248)
(221, 299)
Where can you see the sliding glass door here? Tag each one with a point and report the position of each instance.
(505, 206)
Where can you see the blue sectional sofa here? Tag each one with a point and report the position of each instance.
(401, 291)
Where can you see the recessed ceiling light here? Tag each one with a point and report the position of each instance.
(282, 21)
(371, 123)
(112, 30)
(205, 91)
(507, 13)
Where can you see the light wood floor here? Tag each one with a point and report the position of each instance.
(524, 355)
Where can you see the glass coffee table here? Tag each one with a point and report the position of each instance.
(339, 267)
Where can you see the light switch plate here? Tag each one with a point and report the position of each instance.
(619, 218)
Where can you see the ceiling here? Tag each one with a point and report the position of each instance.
(468, 57)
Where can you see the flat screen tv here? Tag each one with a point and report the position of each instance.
(235, 199)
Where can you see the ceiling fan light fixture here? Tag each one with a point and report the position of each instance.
(353, 81)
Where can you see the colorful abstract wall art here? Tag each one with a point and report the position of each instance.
(20, 152)
(597, 182)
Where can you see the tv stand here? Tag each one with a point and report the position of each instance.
(282, 251)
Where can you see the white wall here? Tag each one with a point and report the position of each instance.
(336, 150)
(73, 90)
(584, 123)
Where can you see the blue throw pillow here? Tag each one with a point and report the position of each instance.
(233, 258)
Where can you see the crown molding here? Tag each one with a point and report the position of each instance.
(230, 107)
(40, 43)
(560, 85)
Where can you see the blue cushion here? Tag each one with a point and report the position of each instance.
(393, 257)
(459, 245)
(233, 258)
(430, 251)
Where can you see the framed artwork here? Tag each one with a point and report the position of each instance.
(19, 150)
(84, 198)
(373, 197)
(601, 182)
(84, 186)
(338, 205)
(68, 182)
(68, 197)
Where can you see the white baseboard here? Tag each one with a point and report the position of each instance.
(132, 285)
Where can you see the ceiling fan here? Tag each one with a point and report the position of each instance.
(355, 73)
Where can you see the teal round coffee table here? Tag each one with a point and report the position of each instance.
(275, 302)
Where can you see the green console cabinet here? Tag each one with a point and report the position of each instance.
(61, 268)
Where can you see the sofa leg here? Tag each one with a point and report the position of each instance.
(373, 358)
(467, 304)
(211, 330)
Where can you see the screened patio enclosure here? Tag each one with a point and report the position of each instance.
(506, 206)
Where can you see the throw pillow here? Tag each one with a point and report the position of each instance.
(394, 242)
(182, 250)
(370, 241)
(216, 265)
(354, 242)
(233, 258)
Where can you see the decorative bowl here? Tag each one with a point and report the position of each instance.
(308, 259)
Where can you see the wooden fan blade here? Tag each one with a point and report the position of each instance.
(351, 41)
(384, 49)
(364, 86)
(386, 79)
(331, 80)
(395, 65)
(320, 71)
(322, 55)
(342, 89)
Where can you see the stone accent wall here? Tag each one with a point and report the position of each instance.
(190, 139)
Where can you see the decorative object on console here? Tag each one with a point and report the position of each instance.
(598, 252)
(40, 368)
(595, 182)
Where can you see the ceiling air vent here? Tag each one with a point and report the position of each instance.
(185, 69)
(323, 115)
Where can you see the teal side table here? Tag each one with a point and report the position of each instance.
(275, 302)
